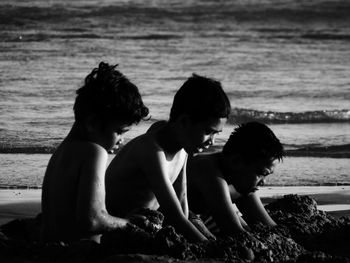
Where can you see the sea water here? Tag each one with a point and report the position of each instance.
(285, 63)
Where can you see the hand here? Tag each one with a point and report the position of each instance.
(198, 223)
(138, 220)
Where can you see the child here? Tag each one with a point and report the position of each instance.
(217, 180)
(150, 171)
(73, 192)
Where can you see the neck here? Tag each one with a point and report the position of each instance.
(168, 138)
(78, 133)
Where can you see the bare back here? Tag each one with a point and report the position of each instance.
(62, 188)
(129, 175)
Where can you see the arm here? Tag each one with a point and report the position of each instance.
(217, 196)
(91, 214)
(154, 165)
(180, 187)
(253, 210)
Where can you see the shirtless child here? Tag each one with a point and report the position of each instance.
(150, 171)
(217, 180)
(73, 191)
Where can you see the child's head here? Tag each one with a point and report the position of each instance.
(108, 103)
(203, 107)
(110, 96)
(254, 141)
(252, 150)
(201, 99)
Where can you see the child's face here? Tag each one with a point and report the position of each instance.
(201, 135)
(110, 135)
(248, 177)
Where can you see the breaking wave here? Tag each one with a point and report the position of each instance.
(239, 115)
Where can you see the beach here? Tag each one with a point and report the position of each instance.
(333, 202)
(283, 63)
(24, 203)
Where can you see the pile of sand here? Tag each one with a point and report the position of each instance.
(304, 234)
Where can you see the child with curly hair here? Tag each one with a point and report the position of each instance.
(73, 191)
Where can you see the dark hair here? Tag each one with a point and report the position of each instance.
(108, 94)
(201, 98)
(254, 141)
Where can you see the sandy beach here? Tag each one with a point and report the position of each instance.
(18, 203)
(22, 203)
(334, 200)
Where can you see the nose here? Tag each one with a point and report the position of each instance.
(261, 182)
(211, 139)
(120, 140)
(208, 142)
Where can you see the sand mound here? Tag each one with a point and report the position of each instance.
(304, 234)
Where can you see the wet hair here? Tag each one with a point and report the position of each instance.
(254, 141)
(108, 94)
(201, 99)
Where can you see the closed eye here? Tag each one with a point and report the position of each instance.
(264, 172)
(122, 131)
(210, 131)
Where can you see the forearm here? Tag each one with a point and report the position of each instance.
(185, 227)
(101, 223)
(230, 222)
(267, 220)
(254, 211)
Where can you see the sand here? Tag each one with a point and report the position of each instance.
(19, 204)
(332, 199)
(24, 203)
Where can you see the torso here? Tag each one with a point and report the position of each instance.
(202, 172)
(59, 192)
(127, 186)
(198, 169)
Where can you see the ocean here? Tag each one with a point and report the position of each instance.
(282, 62)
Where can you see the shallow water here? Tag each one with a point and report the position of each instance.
(27, 171)
(285, 63)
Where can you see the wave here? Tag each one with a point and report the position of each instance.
(152, 37)
(180, 11)
(28, 149)
(45, 36)
(334, 151)
(27, 37)
(323, 36)
(239, 115)
(19, 187)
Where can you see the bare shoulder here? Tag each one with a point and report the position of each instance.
(83, 151)
(92, 149)
(139, 149)
(144, 144)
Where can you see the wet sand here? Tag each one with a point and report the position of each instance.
(19, 204)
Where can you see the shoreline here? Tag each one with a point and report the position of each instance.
(22, 203)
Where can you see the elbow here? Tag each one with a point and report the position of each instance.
(90, 224)
(87, 225)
